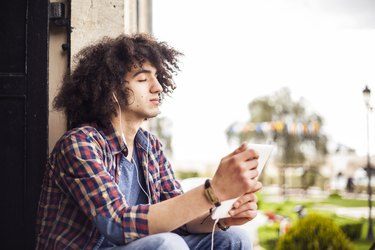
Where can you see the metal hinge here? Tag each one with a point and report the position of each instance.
(56, 13)
(59, 15)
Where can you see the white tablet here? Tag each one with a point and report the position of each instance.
(264, 151)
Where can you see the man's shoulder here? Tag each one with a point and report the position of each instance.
(86, 130)
(84, 133)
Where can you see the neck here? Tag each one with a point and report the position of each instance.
(129, 128)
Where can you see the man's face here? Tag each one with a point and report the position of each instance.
(144, 92)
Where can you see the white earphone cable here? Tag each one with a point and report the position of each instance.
(148, 197)
(148, 187)
(213, 233)
(136, 167)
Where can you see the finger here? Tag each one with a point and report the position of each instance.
(251, 175)
(258, 186)
(246, 155)
(255, 197)
(236, 212)
(251, 163)
(240, 149)
(235, 221)
(249, 214)
(254, 186)
(245, 199)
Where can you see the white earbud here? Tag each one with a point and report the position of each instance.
(114, 96)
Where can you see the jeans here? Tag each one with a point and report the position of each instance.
(233, 239)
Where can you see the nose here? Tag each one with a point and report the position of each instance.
(156, 86)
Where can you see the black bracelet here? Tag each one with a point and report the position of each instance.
(221, 226)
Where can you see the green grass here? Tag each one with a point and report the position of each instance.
(345, 202)
(362, 245)
(336, 201)
(268, 234)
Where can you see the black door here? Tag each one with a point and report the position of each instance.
(23, 117)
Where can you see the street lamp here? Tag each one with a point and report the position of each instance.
(366, 97)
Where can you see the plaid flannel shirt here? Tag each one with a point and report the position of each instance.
(80, 182)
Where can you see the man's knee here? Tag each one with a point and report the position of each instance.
(168, 241)
(234, 238)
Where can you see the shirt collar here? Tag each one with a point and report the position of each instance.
(117, 144)
(142, 139)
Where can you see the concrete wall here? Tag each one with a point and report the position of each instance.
(58, 65)
(93, 19)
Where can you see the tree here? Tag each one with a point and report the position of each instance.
(291, 126)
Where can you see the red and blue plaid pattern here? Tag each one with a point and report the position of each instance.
(80, 182)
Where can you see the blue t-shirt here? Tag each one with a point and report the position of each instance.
(131, 177)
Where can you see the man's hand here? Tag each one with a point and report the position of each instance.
(236, 174)
(243, 211)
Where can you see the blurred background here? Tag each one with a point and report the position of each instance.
(295, 74)
(285, 72)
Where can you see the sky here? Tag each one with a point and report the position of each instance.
(239, 50)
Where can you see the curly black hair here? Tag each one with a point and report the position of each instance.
(86, 94)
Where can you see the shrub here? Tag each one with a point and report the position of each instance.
(335, 195)
(352, 229)
(314, 232)
(268, 235)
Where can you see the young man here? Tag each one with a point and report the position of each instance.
(108, 185)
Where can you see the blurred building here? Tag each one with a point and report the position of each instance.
(344, 166)
(342, 171)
